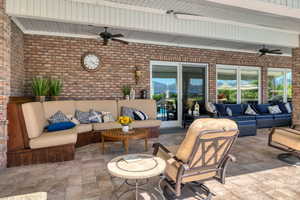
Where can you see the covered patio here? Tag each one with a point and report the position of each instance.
(84, 82)
(256, 174)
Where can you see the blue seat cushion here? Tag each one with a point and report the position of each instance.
(60, 126)
(262, 108)
(221, 109)
(237, 109)
(242, 117)
(283, 116)
(247, 123)
(264, 116)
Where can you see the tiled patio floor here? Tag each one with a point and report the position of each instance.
(257, 174)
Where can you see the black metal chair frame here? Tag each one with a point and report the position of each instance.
(218, 166)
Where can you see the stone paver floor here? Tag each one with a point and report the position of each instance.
(257, 174)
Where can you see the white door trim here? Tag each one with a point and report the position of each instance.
(179, 65)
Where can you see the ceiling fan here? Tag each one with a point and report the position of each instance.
(181, 13)
(106, 36)
(263, 51)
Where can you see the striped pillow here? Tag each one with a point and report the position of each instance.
(140, 115)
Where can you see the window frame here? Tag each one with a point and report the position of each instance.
(239, 69)
(285, 90)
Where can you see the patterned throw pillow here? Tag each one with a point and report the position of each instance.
(250, 111)
(58, 117)
(274, 109)
(108, 117)
(82, 117)
(126, 111)
(210, 107)
(73, 119)
(140, 115)
(229, 111)
(95, 117)
(288, 107)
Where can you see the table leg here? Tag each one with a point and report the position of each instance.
(125, 144)
(102, 141)
(136, 190)
(146, 144)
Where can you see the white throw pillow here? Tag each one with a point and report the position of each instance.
(229, 111)
(274, 109)
(108, 117)
(250, 111)
(210, 107)
(288, 107)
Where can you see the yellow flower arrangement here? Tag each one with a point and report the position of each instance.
(125, 120)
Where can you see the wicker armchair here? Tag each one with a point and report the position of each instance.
(203, 155)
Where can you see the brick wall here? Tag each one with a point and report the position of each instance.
(296, 85)
(4, 78)
(60, 57)
(17, 79)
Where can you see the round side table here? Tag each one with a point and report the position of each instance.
(135, 168)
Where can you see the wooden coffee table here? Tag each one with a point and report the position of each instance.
(119, 135)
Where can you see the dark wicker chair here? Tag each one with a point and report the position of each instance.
(203, 155)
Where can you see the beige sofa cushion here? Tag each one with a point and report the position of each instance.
(146, 123)
(51, 107)
(83, 128)
(104, 105)
(286, 137)
(106, 126)
(146, 105)
(34, 117)
(54, 139)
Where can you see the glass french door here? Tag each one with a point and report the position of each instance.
(177, 87)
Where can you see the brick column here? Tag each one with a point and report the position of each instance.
(296, 84)
(4, 78)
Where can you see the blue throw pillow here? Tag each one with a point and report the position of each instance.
(282, 108)
(262, 108)
(60, 126)
(221, 109)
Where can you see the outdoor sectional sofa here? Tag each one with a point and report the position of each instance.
(37, 146)
(249, 123)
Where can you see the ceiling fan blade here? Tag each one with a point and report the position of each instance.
(118, 35)
(181, 13)
(262, 54)
(184, 13)
(276, 52)
(121, 41)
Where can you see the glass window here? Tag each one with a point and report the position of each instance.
(279, 85)
(237, 84)
(249, 86)
(227, 86)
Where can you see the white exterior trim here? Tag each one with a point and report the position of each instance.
(29, 32)
(99, 15)
(179, 66)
